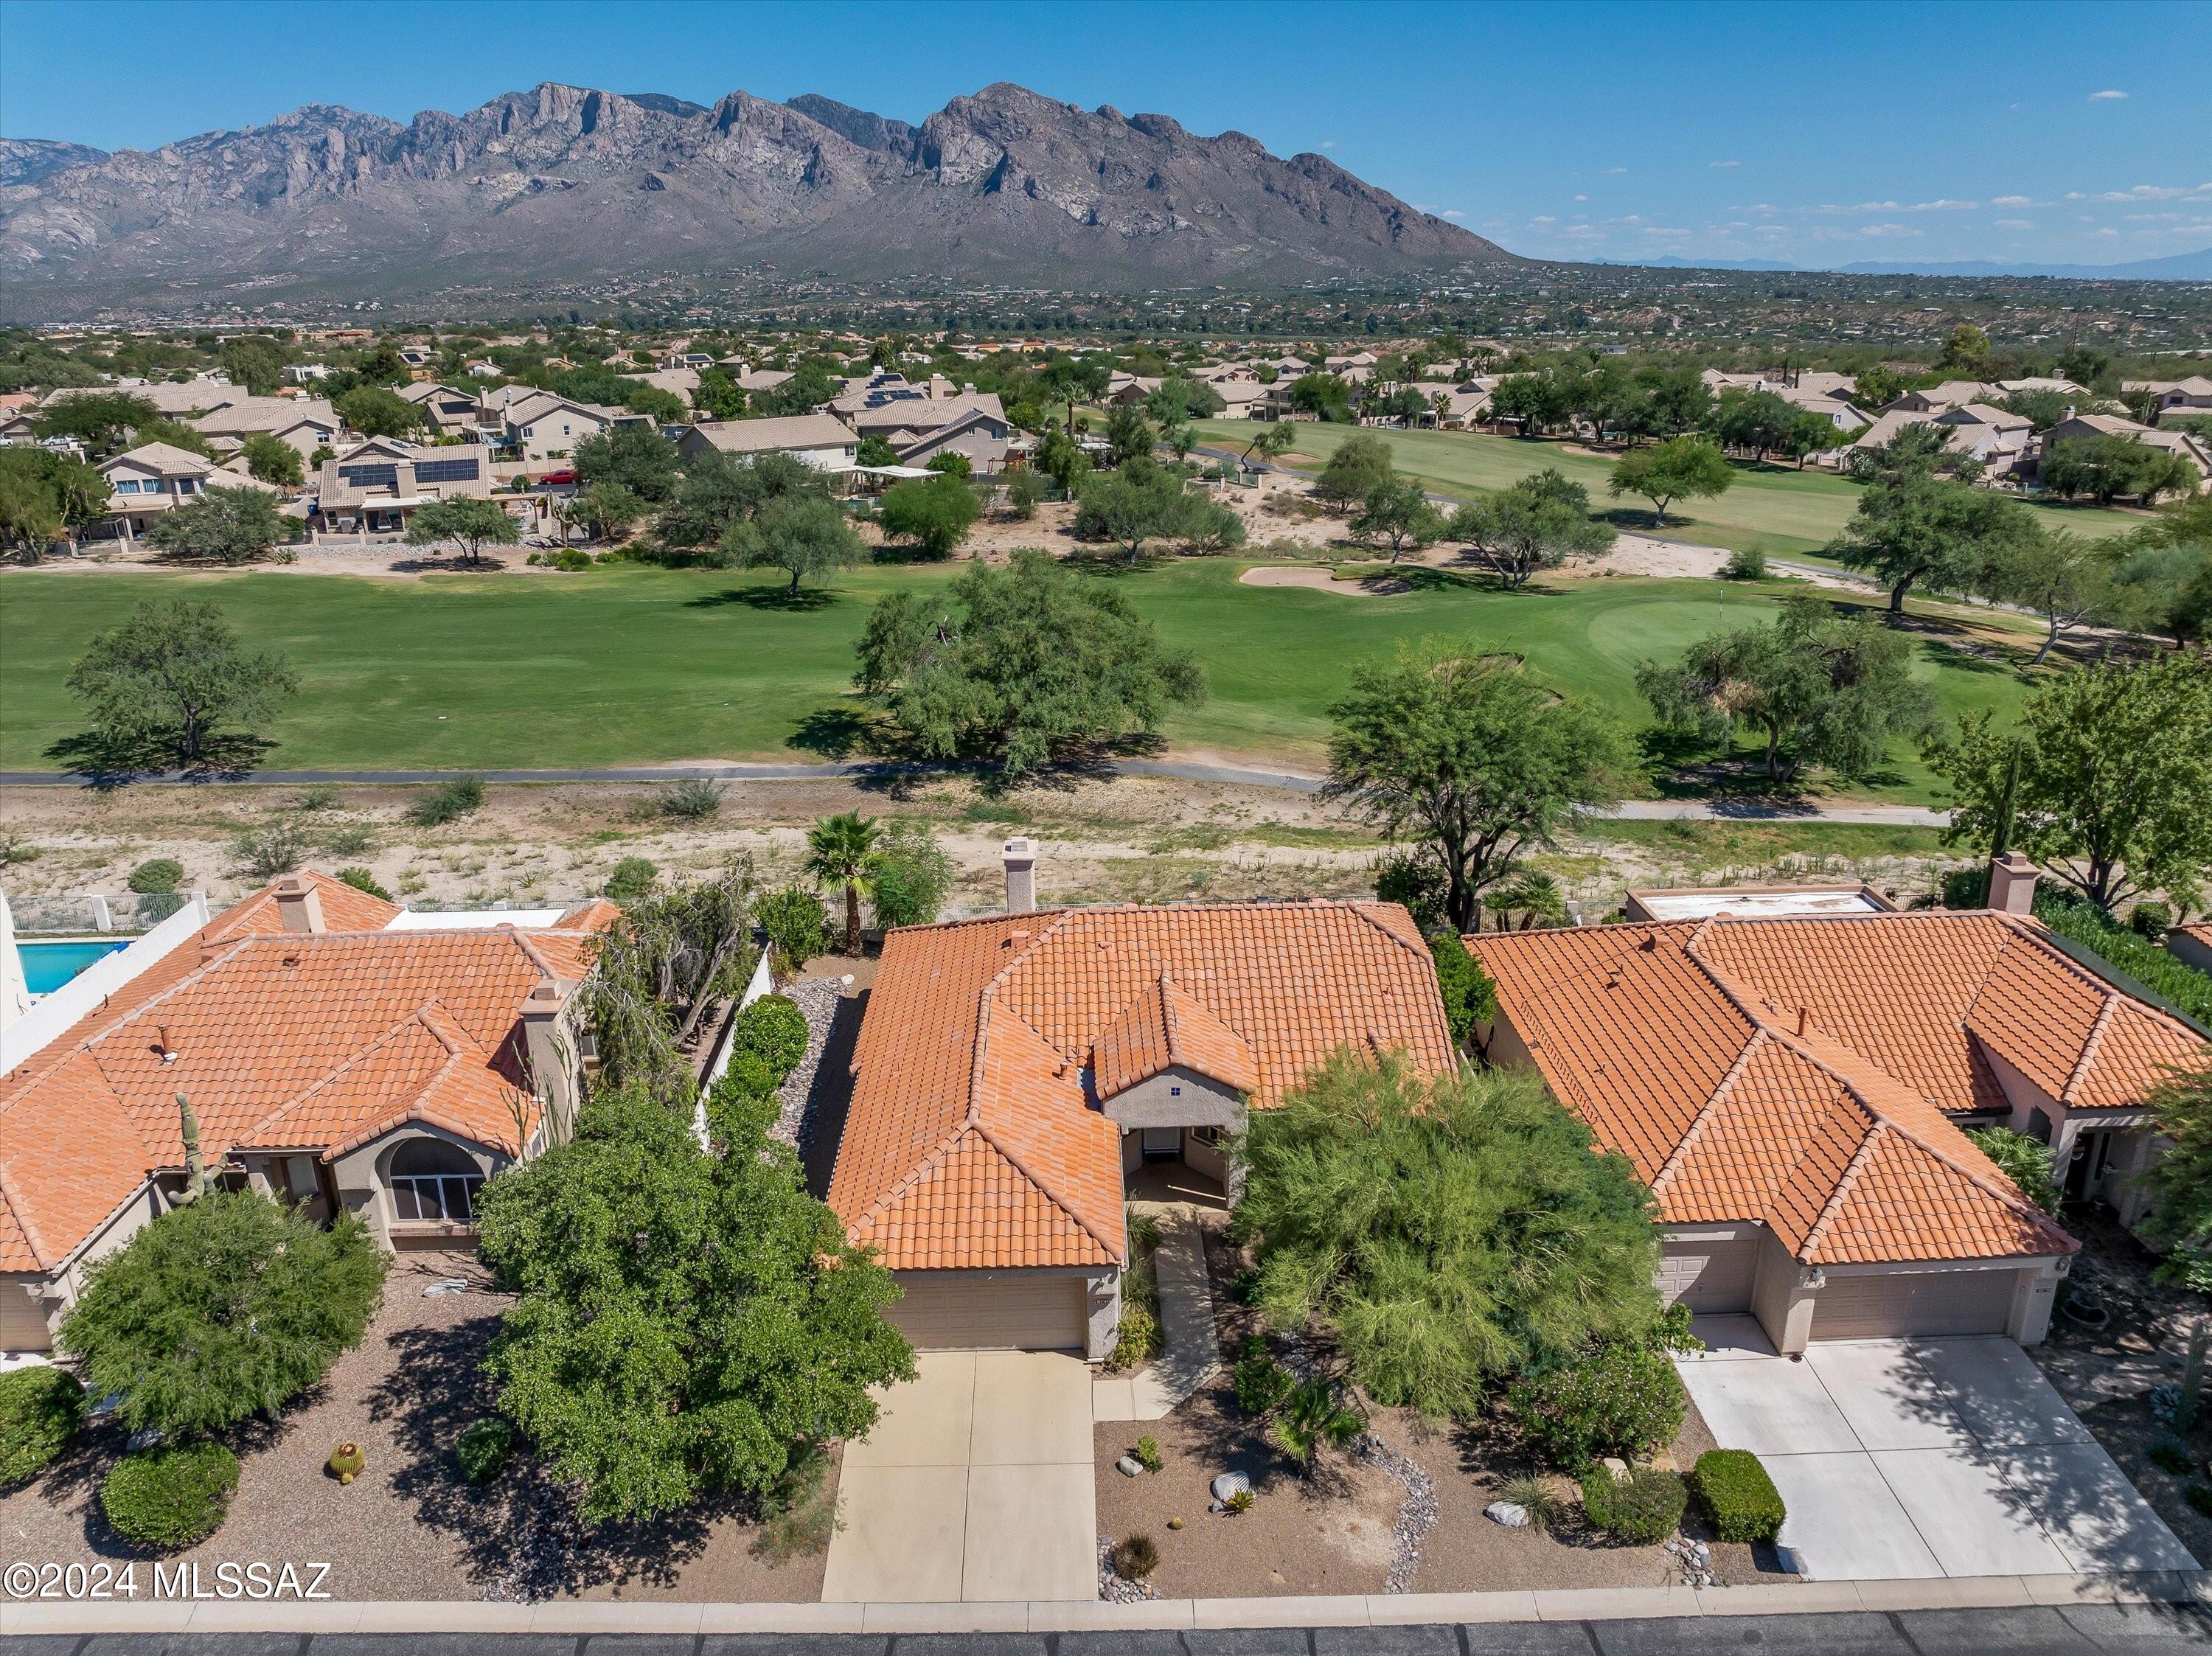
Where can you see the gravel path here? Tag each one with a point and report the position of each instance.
(816, 999)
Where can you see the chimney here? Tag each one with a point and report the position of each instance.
(542, 1040)
(1021, 874)
(2012, 884)
(298, 905)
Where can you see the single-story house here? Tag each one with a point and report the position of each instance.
(374, 487)
(1948, 395)
(1792, 1089)
(2190, 447)
(1465, 406)
(2190, 396)
(1015, 1074)
(819, 441)
(331, 1060)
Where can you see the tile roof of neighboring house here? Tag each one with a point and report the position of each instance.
(924, 414)
(251, 414)
(166, 459)
(308, 1041)
(1796, 1071)
(795, 431)
(970, 1141)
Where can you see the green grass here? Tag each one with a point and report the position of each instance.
(1774, 509)
(632, 665)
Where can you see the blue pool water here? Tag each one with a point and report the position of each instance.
(48, 966)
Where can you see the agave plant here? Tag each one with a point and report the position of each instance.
(1313, 1417)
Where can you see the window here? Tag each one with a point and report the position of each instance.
(1213, 1136)
(433, 1182)
(126, 485)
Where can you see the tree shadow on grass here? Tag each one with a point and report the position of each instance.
(806, 601)
(105, 763)
(519, 1534)
(833, 733)
(904, 552)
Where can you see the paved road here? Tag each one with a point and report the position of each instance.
(2137, 1630)
(1641, 810)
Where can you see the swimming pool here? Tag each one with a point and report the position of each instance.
(48, 966)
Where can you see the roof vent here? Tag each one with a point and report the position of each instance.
(1020, 858)
(1800, 1023)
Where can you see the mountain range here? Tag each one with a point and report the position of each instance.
(567, 183)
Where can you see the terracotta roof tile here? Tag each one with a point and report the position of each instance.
(283, 1040)
(1797, 1071)
(969, 1142)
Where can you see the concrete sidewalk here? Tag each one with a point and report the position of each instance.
(1190, 1354)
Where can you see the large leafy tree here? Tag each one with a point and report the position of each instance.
(171, 674)
(42, 493)
(1397, 511)
(375, 411)
(97, 419)
(1914, 528)
(1128, 433)
(1465, 753)
(222, 525)
(1033, 661)
(1361, 463)
(1141, 502)
(255, 361)
(469, 523)
(2180, 1180)
(934, 514)
(1818, 688)
(675, 952)
(718, 491)
(637, 457)
(1535, 526)
(1680, 468)
(226, 1307)
(2167, 573)
(1445, 1234)
(2108, 466)
(2068, 580)
(2114, 768)
(688, 1322)
(802, 535)
(273, 460)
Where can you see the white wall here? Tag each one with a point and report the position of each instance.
(53, 1014)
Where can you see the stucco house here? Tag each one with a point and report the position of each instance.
(335, 1057)
(1014, 1074)
(1793, 1088)
(374, 487)
(827, 445)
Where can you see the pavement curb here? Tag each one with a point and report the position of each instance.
(1415, 1609)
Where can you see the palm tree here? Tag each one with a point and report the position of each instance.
(1315, 1416)
(840, 851)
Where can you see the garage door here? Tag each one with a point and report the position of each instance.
(1709, 1276)
(1025, 1310)
(1913, 1303)
(23, 1321)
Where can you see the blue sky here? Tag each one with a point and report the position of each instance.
(1815, 133)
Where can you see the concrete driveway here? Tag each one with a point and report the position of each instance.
(1923, 1458)
(976, 1483)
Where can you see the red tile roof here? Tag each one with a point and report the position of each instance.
(970, 1141)
(1796, 1071)
(310, 1042)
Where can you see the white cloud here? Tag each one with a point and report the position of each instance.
(1888, 230)
(2099, 97)
(1543, 218)
(1727, 163)
(2015, 224)
(1582, 198)
(2010, 200)
(1451, 213)
(1944, 206)
(1331, 144)
(1616, 169)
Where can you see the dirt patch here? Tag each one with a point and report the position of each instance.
(1320, 580)
(408, 1527)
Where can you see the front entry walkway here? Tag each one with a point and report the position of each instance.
(1189, 1352)
(976, 1483)
(1923, 1458)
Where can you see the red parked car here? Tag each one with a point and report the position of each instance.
(566, 477)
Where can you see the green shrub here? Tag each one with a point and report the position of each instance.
(1148, 1453)
(1415, 881)
(267, 852)
(483, 1447)
(802, 1511)
(321, 797)
(739, 1115)
(1534, 1496)
(348, 840)
(39, 1411)
(446, 802)
(691, 800)
(2146, 920)
(1746, 563)
(170, 1497)
(2173, 1458)
(1736, 1495)
(2025, 1161)
(2200, 1498)
(2132, 957)
(1139, 1340)
(1470, 997)
(1646, 1507)
(912, 875)
(751, 1075)
(1966, 888)
(570, 558)
(156, 876)
(774, 1030)
(797, 925)
(1620, 1398)
(631, 882)
(1261, 1383)
(1136, 1558)
(362, 880)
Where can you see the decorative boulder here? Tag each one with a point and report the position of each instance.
(1226, 1484)
(1128, 1467)
(1506, 1512)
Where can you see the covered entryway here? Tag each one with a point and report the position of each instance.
(992, 1310)
(1711, 1276)
(1883, 1305)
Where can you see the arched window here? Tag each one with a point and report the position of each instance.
(433, 1180)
